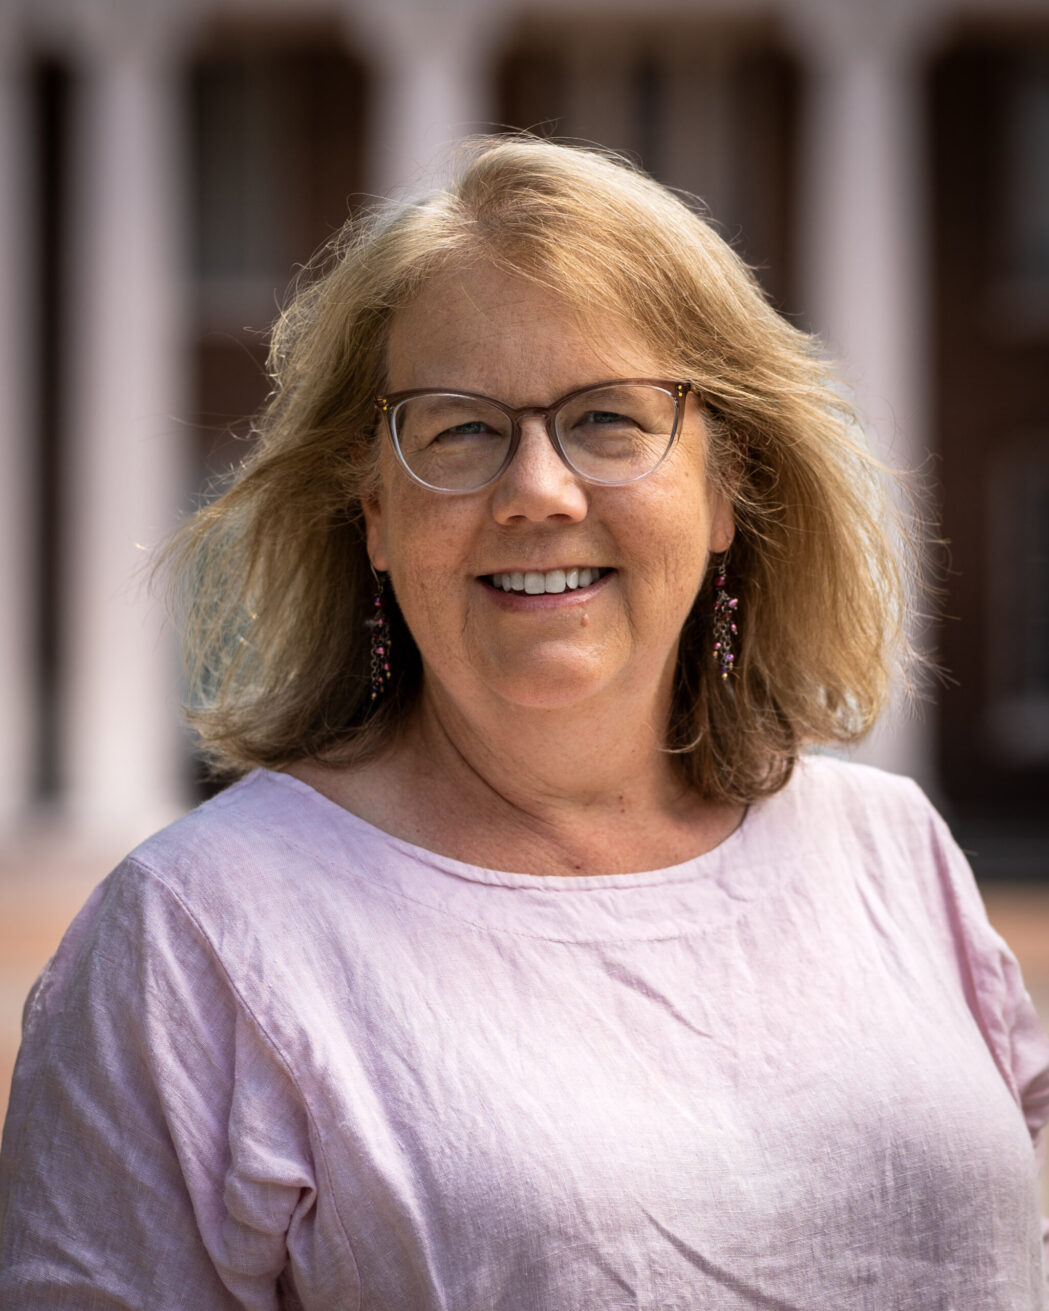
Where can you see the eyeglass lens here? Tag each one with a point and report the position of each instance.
(610, 434)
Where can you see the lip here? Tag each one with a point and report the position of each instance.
(524, 601)
(536, 568)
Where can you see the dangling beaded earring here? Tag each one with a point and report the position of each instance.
(380, 643)
(724, 626)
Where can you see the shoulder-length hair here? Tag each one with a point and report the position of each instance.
(273, 576)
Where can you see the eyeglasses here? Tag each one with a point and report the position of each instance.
(612, 433)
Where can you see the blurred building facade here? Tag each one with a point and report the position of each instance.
(166, 164)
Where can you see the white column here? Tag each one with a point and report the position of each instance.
(431, 69)
(128, 466)
(18, 338)
(862, 257)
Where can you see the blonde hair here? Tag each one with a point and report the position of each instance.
(274, 577)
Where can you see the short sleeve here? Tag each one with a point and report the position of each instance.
(156, 1153)
(1000, 1002)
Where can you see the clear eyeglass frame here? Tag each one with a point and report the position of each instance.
(390, 405)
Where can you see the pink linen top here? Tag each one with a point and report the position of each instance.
(283, 1059)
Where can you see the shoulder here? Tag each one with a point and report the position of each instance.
(149, 1083)
(857, 808)
(861, 789)
(240, 897)
(891, 844)
(240, 823)
(201, 928)
(880, 835)
(252, 851)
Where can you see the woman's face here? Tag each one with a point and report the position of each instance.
(481, 330)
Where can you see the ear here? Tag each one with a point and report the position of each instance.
(722, 522)
(375, 536)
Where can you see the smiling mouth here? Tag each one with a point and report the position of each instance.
(534, 583)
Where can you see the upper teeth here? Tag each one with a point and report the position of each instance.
(554, 580)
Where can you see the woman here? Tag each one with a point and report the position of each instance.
(532, 965)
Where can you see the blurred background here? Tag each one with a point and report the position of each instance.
(167, 165)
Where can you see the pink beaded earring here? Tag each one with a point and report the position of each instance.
(724, 626)
(380, 643)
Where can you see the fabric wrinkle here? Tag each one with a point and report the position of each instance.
(340, 1077)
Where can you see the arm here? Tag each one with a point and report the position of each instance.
(1011, 1027)
(155, 1154)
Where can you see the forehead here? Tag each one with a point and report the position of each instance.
(485, 330)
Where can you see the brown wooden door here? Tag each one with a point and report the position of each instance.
(705, 107)
(277, 134)
(990, 146)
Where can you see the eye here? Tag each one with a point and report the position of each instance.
(470, 428)
(446, 422)
(603, 417)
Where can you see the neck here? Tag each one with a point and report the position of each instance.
(586, 789)
(577, 760)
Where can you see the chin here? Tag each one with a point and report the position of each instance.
(548, 685)
(549, 699)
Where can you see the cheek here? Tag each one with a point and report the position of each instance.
(420, 540)
(680, 527)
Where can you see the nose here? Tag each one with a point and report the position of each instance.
(538, 485)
